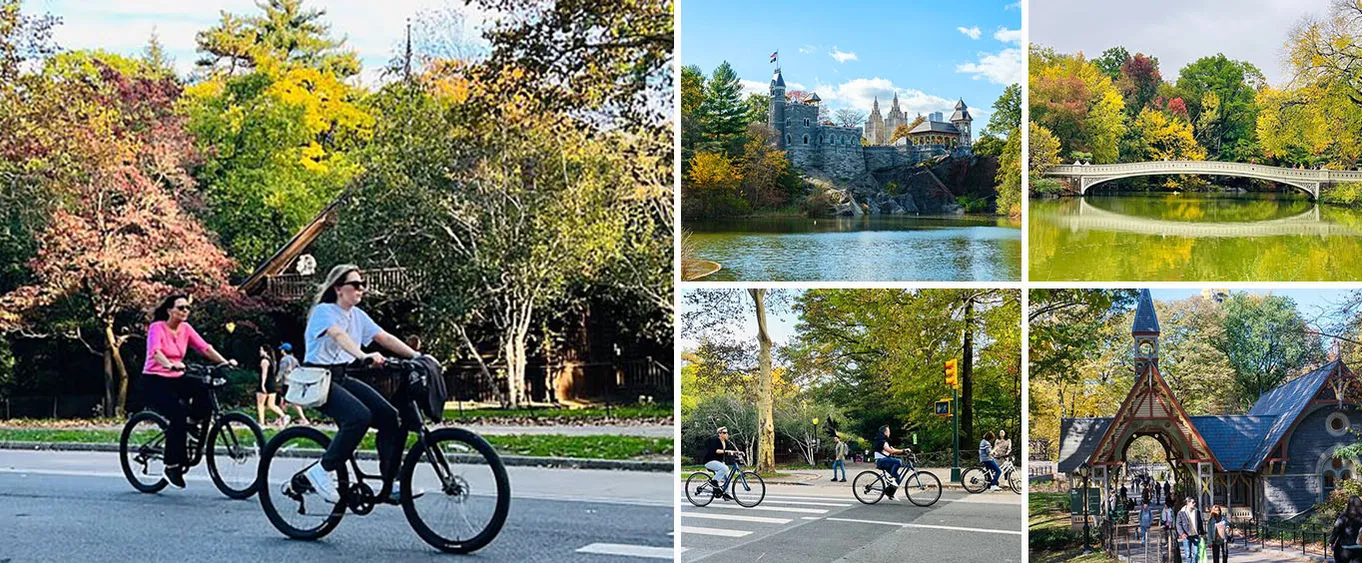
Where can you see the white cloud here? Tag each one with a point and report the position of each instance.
(860, 93)
(1008, 35)
(840, 56)
(808, 49)
(970, 32)
(764, 87)
(1004, 67)
(1013, 6)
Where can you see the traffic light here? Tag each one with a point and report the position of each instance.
(952, 380)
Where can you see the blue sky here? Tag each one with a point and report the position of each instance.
(1310, 302)
(930, 53)
(374, 29)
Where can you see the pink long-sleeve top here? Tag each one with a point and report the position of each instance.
(173, 345)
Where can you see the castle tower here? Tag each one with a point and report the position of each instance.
(777, 120)
(961, 119)
(874, 125)
(1145, 333)
(895, 119)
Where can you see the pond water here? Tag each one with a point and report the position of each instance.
(875, 248)
(1193, 237)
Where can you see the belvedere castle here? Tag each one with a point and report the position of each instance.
(837, 150)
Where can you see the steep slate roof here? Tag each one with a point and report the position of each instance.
(778, 79)
(1146, 322)
(1287, 401)
(1233, 438)
(1078, 437)
(930, 126)
(1240, 442)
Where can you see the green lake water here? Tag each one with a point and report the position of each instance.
(860, 249)
(1193, 237)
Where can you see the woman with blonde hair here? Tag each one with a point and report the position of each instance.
(337, 331)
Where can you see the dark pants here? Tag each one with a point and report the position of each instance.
(168, 397)
(890, 464)
(1220, 553)
(997, 471)
(355, 406)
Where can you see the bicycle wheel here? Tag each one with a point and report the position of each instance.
(922, 488)
(747, 489)
(233, 452)
(467, 493)
(141, 451)
(1014, 481)
(868, 486)
(974, 479)
(285, 494)
(699, 489)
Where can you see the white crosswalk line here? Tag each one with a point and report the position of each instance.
(628, 550)
(735, 517)
(802, 497)
(928, 526)
(770, 508)
(802, 503)
(714, 532)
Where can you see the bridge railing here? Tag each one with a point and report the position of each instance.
(1202, 166)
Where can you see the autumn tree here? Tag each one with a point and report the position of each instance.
(1139, 82)
(286, 32)
(1071, 98)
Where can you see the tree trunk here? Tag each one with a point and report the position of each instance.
(966, 377)
(120, 369)
(516, 357)
(108, 383)
(766, 428)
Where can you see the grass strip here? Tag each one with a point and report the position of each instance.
(533, 445)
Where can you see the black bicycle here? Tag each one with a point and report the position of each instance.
(232, 447)
(977, 478)
(921, 487)
(745, 487)
(467, 493)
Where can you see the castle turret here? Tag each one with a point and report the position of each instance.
(961, 119)
(777, 121)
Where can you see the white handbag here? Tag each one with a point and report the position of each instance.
(308, 387)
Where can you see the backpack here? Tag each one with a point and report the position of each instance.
(428, 388)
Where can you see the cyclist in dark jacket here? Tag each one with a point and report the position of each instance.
(884, 459)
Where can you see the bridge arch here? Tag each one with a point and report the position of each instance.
(1309, 181)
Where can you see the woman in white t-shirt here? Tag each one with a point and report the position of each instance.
(337, 331)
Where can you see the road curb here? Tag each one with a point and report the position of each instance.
(509, 460)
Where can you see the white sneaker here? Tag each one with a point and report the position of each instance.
(996, 488)
(323, 483)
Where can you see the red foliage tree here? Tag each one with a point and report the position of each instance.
(1177, 107)
(1139, 81)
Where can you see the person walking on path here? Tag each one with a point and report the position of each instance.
(1220, 536)
(839, 456)
(986, 459)
(269, 386)
(1168, 520)
(1343, 538)
(1146, 520)
(1190, 530)
(288, 363)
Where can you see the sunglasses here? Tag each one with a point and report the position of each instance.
(185, 308)
(357, 284)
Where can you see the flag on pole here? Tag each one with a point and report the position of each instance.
(774, 56)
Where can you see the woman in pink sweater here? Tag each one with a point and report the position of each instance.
(169, 338)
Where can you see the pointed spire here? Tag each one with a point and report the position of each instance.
(896, 100)
(1146, 321)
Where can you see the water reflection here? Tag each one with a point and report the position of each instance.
(1193, 237)
(861, 249)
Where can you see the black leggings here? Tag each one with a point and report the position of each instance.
(164, 395)
(1220, 552)
(355, 406)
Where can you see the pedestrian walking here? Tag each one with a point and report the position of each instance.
(1220, 536)
(269, 387)
(288, 363)
(839, 456)
(1190, 530)
(1167, 520)
(1344, 537)
(1146, 520)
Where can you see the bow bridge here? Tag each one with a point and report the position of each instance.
(1311, 181)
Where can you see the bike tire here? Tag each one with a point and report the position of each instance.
(922, 488)
(248, 453)
(126, 449)
(868, 487)
(1014, 481)
(752, 487)
(699, 490)
(267, 500)
(500, 480)
(974, 480)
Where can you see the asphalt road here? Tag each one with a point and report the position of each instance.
(806, 524)
(77, 506)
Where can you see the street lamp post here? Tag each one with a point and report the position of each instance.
(1084, 471)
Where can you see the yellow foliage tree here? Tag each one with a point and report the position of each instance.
(713, 171)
